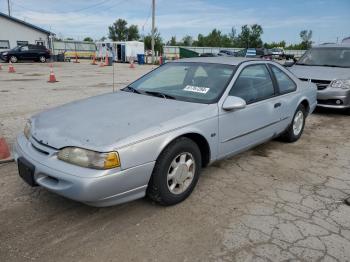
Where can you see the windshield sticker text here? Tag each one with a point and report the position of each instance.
(197, 89)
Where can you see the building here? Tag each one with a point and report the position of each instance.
(14, 32)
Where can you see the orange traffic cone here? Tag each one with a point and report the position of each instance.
(76, 58)
(106, 59)
(132, 63)
(52, 78)
(93, 60)
(101, 63)
(11, 68)
(5, 154)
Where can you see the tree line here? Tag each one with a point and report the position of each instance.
(248, 37)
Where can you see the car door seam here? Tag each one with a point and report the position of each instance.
(255, 130)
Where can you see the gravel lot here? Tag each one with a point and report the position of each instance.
(277, 202)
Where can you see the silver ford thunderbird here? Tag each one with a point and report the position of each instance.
(154, 136)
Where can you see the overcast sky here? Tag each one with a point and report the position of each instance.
(281, 20)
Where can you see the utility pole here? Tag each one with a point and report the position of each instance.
(153, 28)
(8, 7)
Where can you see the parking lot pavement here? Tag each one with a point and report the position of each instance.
(276, 202)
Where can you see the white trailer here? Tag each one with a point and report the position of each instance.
(121, 51)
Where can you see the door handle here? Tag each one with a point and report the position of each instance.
(277, 105)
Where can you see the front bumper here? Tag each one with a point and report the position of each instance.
(93, 187)
(333, 98)
(4, 57)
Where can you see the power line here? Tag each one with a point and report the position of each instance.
(65, 12)
(149, 15)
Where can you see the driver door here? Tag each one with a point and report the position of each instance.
(24, 53)
(254, 124)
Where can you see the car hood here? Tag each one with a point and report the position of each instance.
(110, 121)
(320, 72)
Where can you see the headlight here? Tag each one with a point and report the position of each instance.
(90, 159)
(341, 83)
(27, 130)
(4, 53)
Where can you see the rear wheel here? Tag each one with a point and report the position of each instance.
(42, 59)
(13, 59)
(176, 172)
(296, 128)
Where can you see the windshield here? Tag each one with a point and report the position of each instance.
(338, 57)
(192, 82)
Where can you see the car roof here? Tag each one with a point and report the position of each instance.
(226, 60)
(332, 45)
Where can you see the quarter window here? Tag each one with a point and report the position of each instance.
(285, 84)
(253, 84)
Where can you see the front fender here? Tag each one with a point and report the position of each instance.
(148, 150)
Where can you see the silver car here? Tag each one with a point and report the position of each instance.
(154, 136)
(328, 66)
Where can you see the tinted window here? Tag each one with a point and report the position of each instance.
(24, 48)
(253, 84)
(193, 82)
(285, 84)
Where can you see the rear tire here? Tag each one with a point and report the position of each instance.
(42, 59)
(296, 128)
(176, 172)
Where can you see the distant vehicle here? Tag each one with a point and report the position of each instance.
(328, 66)
(226, 53)
(277, 52)
(26, 52)
(177, 119)
(208, 55)
(254, 53)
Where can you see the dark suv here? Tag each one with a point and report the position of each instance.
(26, 52)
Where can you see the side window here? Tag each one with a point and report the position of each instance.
(285, 84)
(253, 84)
(24, 48)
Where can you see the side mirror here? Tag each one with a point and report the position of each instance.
(234, 103)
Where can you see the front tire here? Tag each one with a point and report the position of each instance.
(296, 128)
(176, 172)
(13, 59)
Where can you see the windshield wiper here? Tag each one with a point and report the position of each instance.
(129, 88)
(160, 94)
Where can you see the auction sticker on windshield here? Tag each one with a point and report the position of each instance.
(197, 89)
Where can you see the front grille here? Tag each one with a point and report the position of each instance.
(321, 84)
